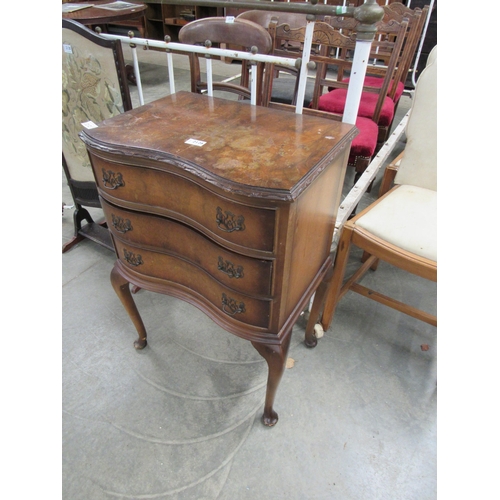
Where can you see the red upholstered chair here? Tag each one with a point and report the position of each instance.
(375, 102)
(397, 12)
(325, 36)
(399, 228)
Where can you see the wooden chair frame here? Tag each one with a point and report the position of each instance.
(388, 44)
(374, 247)
(241, 35)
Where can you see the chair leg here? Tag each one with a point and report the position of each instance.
(333, 294)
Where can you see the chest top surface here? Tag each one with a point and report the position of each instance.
(247, 149)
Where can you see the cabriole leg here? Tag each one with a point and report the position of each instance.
(275, 355)
(122, 289)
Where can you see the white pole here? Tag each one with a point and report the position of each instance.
(210, 85)
(306, 54)
(356, 80)
(171, 79)
(253, 84)
(137, 73)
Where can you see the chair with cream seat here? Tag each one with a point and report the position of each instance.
(400, 227)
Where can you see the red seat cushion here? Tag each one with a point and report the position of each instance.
(376, 81)
(334, 102)
(365, 142)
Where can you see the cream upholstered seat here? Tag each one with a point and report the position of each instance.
(401, 226)
(409, 216)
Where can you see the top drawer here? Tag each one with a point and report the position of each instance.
(169, 194)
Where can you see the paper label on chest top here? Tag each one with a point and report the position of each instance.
(195, 142)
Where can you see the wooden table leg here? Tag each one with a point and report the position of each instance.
(275, 355)
(122, 289)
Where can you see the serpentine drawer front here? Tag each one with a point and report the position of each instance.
(228, 206)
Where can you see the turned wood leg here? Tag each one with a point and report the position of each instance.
(275, 355)
(122, 289)
(317, 306)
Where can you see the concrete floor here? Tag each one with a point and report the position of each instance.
(181, 419)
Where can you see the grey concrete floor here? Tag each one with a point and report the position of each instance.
(181, 419)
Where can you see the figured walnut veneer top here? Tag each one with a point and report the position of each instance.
(248, 149)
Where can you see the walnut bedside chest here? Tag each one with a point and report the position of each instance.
(227, 206)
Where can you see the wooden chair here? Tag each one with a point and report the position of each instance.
(375, 102)
(400, 227)
(284, 90)
(335, 49)
(94, 88)
(395, 11)
(240, 35)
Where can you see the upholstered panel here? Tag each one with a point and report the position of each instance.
(431, 58)
(90, 92)
(419, 163)
(407, 218)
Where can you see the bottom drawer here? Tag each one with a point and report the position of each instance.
(176, 270)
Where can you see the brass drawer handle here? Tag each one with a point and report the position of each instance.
(229, 268)
(112, 180)
(120, 224)
(132, 259)
(228, 222)
(231, 307)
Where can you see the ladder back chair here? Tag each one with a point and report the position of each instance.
(375, 102)
(398, 12)
(400, 227)
(94, 88)
(332, 48)
(239, 35)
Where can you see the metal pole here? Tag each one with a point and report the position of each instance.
(304, 68)
(170, 65)
(356, 80)
(137, 73)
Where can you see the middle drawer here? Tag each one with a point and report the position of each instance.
(241, 273)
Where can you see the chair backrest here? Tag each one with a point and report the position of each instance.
(419, 163)
(94, 88)
(264, 18)
(238, 35)
(393, 12)
(335, 55)
(396, 11)
(385, 54)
